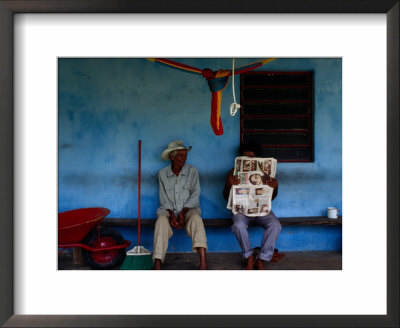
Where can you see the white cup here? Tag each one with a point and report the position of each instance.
(332, 212)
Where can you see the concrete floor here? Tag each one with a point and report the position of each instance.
(231, 261)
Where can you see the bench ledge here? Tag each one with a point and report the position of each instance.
(309, 220)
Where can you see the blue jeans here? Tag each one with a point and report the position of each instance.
(272, 229)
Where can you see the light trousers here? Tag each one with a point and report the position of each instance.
(272, 229)
(163, 232)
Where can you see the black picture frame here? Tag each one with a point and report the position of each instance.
(10, 7)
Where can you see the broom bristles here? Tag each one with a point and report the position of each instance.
(138, 258)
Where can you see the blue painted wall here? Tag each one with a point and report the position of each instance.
(106, 105)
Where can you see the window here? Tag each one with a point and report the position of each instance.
(277, 114)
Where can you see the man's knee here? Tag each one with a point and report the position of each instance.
(197, 219)
(276, 225)
(162, 229)
(239, 226)
(272, 223)
(162, 221)
(239, 222)
(194, 217)
(193, 213)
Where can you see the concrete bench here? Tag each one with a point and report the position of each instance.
(292, 221)
(298, 234)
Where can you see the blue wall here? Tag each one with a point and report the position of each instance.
(106, 105)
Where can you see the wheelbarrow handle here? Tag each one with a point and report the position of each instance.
(101, 249)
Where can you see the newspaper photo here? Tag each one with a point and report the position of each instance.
(252, 196)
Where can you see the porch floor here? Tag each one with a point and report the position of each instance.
(315, 260)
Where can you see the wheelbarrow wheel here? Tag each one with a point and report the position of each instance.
(103, 260)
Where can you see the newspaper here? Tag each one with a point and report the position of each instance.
(252, 196)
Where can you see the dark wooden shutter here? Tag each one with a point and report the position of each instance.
(277, 114)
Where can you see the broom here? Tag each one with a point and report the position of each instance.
(138, 258)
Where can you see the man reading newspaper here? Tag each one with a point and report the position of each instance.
(249, 189)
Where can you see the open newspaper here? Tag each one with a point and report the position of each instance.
(252, 196)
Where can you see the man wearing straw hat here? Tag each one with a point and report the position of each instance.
(179, 190)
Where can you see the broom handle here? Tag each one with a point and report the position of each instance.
(139, 176)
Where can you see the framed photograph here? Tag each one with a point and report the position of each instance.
(216, 305)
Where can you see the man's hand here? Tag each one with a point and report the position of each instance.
(272, 182)
(233, 179)
(173, 221)
(181, 218)
(230, 180)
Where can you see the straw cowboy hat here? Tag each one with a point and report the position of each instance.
(174, 145)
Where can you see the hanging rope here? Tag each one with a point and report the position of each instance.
(234, 106)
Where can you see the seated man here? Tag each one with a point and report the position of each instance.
(179, 190)
(241, 222)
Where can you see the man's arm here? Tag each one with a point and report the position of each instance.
(165, 202)
(193, 200)
(230, 180)
(273, 184)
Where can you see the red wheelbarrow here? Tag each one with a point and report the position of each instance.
(102, 248)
